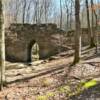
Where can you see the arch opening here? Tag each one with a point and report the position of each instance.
(33, 51)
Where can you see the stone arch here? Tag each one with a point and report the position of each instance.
(20, 46)
(31, 43)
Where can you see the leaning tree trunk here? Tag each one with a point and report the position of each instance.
(77, 33)
(2, 48)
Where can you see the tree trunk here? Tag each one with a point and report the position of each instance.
(2, 49)
(77, 33)
(67, 15)
(92, 26)
(24, 11)
(60, 39)
(67, 12)
(90, 31)
(45, 6)
(71, 16)
(60, 14)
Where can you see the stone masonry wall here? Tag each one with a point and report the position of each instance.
(19, 40)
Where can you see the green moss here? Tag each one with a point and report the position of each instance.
(50, 94)
(65, 89)
(90, 83)
(44, 97)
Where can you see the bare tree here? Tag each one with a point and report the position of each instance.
(28, 12)
(71, 15)
(16, 11)
(88, 22)
(2, 48)
(24, 2)
(67, 12)
(77, 33)
(36, 12)
(92, 26)
(60, 14)
(45, 7)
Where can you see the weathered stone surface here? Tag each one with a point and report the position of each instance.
(19, 40)
(85, 37)
(84, 70)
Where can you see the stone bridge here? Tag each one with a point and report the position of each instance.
(19, 41)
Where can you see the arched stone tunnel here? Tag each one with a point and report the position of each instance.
(19, 41)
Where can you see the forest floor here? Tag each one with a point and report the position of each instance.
(54, 78)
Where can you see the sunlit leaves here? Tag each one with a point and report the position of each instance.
(90, 84)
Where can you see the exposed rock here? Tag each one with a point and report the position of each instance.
(84, 70)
